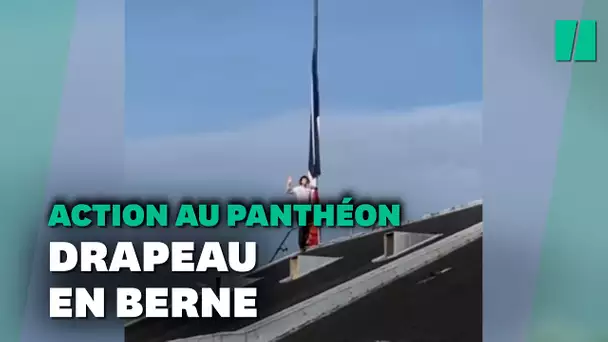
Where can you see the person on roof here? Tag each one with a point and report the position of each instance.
(303, 193)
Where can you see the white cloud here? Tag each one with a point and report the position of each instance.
(428, 156)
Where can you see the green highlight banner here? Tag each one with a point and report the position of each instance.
(575, 39)
(35, 38)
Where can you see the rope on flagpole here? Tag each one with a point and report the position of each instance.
(281, 247)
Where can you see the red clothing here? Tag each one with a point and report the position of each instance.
(314, 236)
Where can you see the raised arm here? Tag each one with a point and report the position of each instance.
(289, 187)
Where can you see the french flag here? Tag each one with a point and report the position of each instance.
(314, 159)
(314, 156)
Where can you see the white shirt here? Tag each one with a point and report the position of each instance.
(302, 193)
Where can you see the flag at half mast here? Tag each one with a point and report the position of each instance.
(314, 158)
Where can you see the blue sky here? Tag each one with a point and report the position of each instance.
(197, 66)
(218, 94)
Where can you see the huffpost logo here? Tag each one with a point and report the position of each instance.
(575, 40)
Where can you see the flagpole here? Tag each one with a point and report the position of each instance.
(315, 25)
